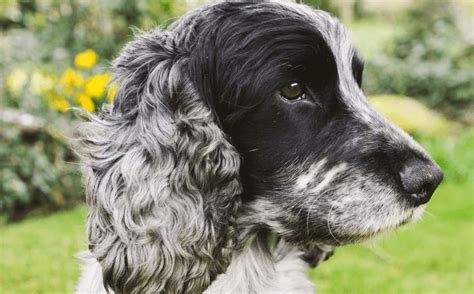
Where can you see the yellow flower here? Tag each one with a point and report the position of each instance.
(41, 83)
(71, 80)
(86, 59)
(96, 85)
(59, 103)
(111, 93)
(16, 81)
(85, 102)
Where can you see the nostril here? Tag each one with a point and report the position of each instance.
(420, 179)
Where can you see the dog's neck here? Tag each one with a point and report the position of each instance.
(264, 265)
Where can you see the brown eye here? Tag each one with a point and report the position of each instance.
(293, 91)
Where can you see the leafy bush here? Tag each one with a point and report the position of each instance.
(431, 60)
(37, 169)
(61, 27)
(42, 76)
(326, 5)
(83, 85)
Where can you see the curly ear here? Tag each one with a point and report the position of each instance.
(162, 181)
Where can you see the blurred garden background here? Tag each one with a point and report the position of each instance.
(55, 55)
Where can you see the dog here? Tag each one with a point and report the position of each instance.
(240, 149)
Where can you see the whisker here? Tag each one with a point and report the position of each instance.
(380, 252)
(311, 207)
(429, 214)
(328, 221)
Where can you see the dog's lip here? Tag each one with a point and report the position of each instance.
(411, 216)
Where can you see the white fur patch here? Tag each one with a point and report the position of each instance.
(304, 180)
(328, 177)
(90, 281)
(254, 271)
(418, 213)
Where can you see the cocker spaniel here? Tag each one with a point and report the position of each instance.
(239, 150)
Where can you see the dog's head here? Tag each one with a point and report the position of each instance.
(252, 102)
(319, 163)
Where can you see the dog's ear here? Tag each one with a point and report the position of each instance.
(162, 181)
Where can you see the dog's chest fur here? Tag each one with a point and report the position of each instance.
(254, 270)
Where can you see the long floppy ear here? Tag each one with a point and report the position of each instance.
(162, 181)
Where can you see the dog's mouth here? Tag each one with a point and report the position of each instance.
(370, 228)
(409, 216)
(352, 221)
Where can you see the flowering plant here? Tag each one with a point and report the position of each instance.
(40, 169)
(82, 85)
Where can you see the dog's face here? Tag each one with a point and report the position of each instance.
(319, 164)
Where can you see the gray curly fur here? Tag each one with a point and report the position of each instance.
(162, 181)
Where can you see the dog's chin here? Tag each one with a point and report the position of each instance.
(409, 216)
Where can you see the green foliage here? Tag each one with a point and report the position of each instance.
(326, 5)
(36, 171)
(431, 60)
(371, 35)
(51, 31)
(38, 41)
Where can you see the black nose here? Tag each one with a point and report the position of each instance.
(420, 179)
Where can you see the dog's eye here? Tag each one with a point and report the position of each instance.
(293, 91)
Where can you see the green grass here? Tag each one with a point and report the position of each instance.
(434, 256)
(37, 255)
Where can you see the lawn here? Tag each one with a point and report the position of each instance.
(37, 255)
(433, 256)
